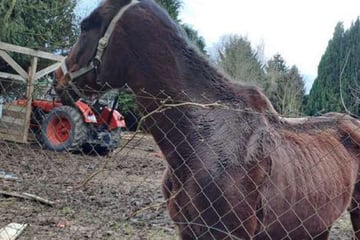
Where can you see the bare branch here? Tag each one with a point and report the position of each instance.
(28, 196)
(340, 83)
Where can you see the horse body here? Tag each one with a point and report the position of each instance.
(314, 186)
(272, 184)
(235, 171)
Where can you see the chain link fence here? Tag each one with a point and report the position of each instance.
(77, 192)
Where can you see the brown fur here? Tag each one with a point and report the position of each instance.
(237, 173)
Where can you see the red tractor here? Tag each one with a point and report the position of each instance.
(92, 128)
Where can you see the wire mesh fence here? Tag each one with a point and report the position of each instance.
(293, 177)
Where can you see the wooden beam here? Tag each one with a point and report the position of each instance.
(12, 137)
(31, 52)
(30, 90)
(13, 64)
(47, 70)
(9, 76)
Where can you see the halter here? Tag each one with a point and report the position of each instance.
(102, 44)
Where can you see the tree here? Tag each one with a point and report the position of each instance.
(43, 24)
(173, 8)
(284, 86)
(275, 71)
(236, 57)
(195, 38)
(338, 74)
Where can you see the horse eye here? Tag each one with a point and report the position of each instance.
(83, 27)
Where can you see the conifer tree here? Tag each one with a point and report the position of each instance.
(284, 86)
(237, 58)
(43, 24)
(338, 74)
(173, 8)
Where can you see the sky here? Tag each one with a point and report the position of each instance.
(299, 30)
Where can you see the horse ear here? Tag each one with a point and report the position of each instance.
(94, 20)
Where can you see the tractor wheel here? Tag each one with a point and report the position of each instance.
(63, 129)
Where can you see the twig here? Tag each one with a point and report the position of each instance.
(340, 83)
(156, 206)
(102, 168)
(28, 196)
(163, 106)
(39, 199)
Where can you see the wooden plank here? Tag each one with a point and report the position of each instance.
(12, 138)
(29, 92)
(14, 107)
(11, 128)
(12, 133)
(47, 70)
(14, 121)
(13, 114)
(31, 52)
(13, 77)
(13, 64)
(12, 231)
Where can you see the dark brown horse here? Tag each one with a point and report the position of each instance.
(236, 169)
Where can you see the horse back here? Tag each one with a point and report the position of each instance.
(314, 170)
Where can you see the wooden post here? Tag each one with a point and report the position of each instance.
(29, 92)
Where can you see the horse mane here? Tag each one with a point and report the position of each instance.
(199, 73)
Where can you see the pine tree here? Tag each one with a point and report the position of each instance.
(173, 8)
(43, 24)
(338, 74)
(237, 58)
(284, 86)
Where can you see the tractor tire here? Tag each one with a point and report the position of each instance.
(63, 129)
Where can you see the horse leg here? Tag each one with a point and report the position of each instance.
(355, 220)
(167, 184)
(324, 235)
(355, 211)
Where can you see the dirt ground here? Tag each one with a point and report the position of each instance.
(124, 201)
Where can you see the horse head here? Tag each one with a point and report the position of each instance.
(116, 46)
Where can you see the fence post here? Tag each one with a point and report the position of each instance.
(29, 92)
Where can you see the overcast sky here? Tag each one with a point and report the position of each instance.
(297, 29)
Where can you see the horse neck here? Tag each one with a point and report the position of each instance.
(175, 129)
(187, 77)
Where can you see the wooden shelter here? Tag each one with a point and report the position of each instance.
(14, 117)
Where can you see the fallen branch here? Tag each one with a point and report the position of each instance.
(28, 196)
(156, 206)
